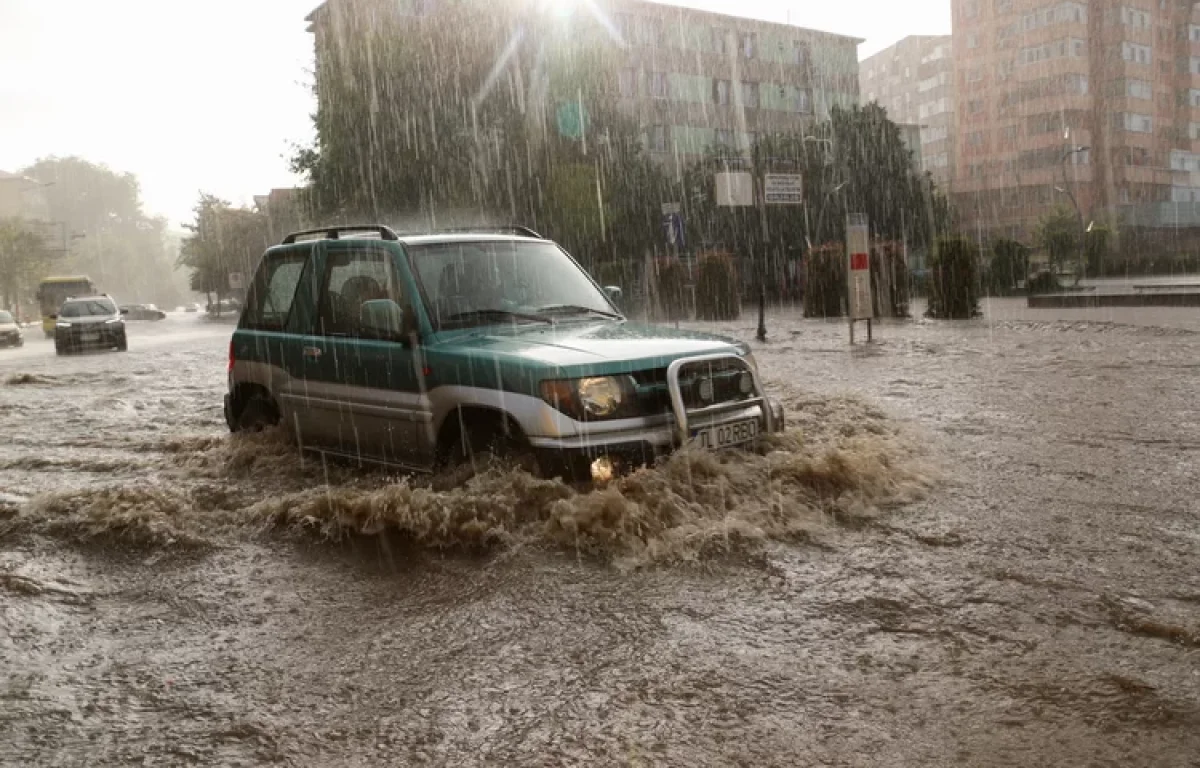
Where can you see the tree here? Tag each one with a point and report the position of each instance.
(224, 240)
(1058, 233)
(1097, 246)
(122, 248)
(24, 256)
(954, 283)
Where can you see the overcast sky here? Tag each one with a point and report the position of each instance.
(211, 95)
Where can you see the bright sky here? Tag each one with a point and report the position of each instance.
(210, 95)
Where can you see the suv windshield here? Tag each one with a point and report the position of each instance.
(5, 317)
(476, 283)
(88, 308)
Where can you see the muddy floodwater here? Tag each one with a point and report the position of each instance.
(977, 545)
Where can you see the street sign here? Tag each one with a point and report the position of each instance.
(673, 229)
(237, 281)
(734, 188)
(858, 268)
(783, 188)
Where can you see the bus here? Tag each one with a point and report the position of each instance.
(53, 291)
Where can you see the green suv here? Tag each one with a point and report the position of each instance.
(438, 349)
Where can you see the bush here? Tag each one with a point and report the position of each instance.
(954, 284)
(1044, 281)
(717, 294)
(887, 258)
(1009, 267)
(671, 279)
(825, 281)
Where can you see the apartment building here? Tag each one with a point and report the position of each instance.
(914, 81)
(692, 79)
(1093, 104)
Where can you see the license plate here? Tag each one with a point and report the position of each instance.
(726, 435)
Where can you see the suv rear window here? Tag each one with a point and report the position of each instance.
(274, 290)
(88, 308)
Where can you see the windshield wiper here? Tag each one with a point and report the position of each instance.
(502, 314)
(576, 309)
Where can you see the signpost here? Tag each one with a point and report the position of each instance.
(783, 189)
(237, 281)
(858, 272)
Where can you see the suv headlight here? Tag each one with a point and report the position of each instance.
(592, 398)
(113, 321)
(61, 324)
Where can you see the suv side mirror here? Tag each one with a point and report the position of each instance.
(384, 319)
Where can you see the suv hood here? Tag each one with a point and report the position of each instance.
(593, 344)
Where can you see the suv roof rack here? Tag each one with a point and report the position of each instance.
(514, 229)
(334, 233)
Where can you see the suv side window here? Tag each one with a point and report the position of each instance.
(353, 277)
(274, 291)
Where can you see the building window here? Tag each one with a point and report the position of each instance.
(1135, 18)
(1194, 65)
(800, 55)
(974, 75)
(627, 83)
(1194, 97)
(750, 95)
(723, 137)
(721, 92)
(1138, 89)
(1194, 33)
(1010, 133)
(1004, 6)
(748, 45)
(1136, 53)
(975, 139)
(971, 9)
(659, 86)
(972, 41)
(1134, 123)
(720, 38)
(1194, 131)
(931, 134)
(974, 106)
(803, 102)
(658, 138)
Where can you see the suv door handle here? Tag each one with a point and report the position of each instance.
(313, 352)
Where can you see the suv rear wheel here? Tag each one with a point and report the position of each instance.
(258, 413)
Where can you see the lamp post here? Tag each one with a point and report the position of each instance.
(1078, 211)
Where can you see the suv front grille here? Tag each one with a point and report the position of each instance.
(723, 375)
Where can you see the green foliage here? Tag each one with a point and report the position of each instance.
(1097, 246)
(1059, 232)
(889, 296)
(954, 284)
(671, 289)
(116, 243)
(24, 259)
(1044, 281)
(825, 281)
(224, 240)
(717, 294)
(1008, 268)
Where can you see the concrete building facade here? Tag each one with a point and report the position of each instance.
(914, 81)
(1092, 104)
(693, 79)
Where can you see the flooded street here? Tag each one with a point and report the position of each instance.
(976, 545)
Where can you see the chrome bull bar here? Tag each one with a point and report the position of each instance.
(683, 417)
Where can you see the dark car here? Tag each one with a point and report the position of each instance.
(143, 312)
(89, 322)
(10, 332)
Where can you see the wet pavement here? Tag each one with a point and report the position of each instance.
(977, 545)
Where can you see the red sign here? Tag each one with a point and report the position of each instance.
(859, 261)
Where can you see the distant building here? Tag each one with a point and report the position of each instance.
(283, 210)
(914, 81)
(1093, 103)
(692, 79)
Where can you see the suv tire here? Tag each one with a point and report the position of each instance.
(474, 455)
(123, 344)
(257, 414)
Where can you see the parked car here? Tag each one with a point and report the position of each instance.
(89, 321)
(143, 312)
(10, 331)
(193, 307)
(224, 307)
(455, 348)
